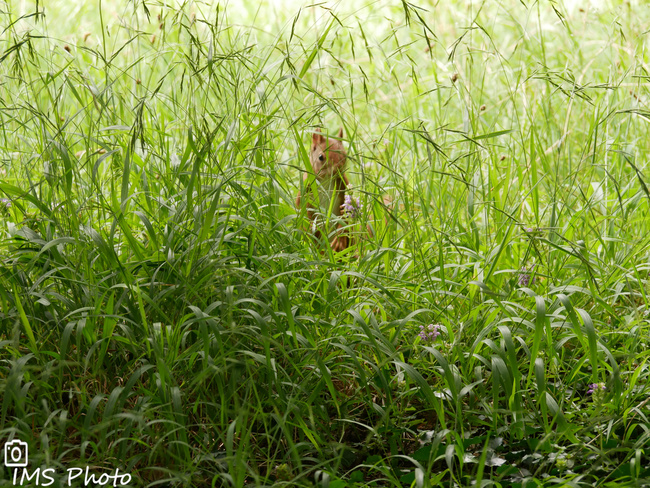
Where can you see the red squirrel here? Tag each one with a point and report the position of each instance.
(327, 157)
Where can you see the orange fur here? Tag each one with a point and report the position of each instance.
(328, 157)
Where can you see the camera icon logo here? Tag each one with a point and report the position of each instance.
(16, 454)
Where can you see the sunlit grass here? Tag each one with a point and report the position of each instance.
(163, 310)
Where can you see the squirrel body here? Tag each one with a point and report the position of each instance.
(327, 157)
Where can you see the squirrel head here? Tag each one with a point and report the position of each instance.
(327, 156)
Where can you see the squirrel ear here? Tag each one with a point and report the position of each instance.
(316, 137)
(341, 133)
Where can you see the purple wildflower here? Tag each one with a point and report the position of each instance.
(429, 333)
(595, 387)
(350, 209)
(525, 278)
(5, 204)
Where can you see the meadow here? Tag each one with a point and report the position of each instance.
(165, 312)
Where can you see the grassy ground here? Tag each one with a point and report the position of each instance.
(163, 311)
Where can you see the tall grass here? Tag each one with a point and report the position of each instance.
(164, 311)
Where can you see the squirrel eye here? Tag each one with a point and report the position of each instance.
(321, 157)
